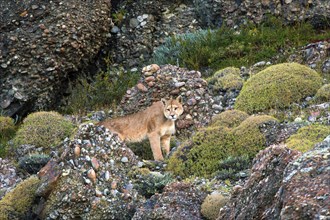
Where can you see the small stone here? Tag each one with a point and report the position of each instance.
(92, 175)
(95, 163)
(179, 84)
(191, 102)
(77, 151)
(115, 30)
(3, 65)
(114, 185)
(98, 193)
(107, 175)
(150, 79)
(133, 23)
(188, 117)
(141, 87)
(124, 160)
(34, 7)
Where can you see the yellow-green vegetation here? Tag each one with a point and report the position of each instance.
(225, 46)
(229, 119)
(43, 129)
(16, 203)
(277, 87)
(226, 79)
(306, 137)
(106, 89)
(7, 131)
(323, 94)
(202, 155)
(212, 205)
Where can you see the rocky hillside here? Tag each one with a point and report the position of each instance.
(253, 141)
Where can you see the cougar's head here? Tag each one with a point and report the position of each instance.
(172, 108)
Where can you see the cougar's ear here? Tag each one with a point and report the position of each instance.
(163, 101)
(179, 98)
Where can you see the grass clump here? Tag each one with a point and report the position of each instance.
(105, 90)
(306, 137)
(277, 87)
(212, 205)
(323, 94)
(7, 131)
(206, 152)
(226, 79)
(230, 167)
(17, 203)
(43, 129)
(228, 47)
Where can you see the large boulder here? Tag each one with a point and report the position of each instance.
(41, 43)
(284, 185)
(178, 201)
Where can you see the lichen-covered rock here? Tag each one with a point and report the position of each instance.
(307, 136)
(277, 87)
(17, 203)
(33, 163)
(41, 43)
(173, 81)
(304, 193)
(179, 200)
(255, 198)
(43, 130)
(8, 176)
(90, 180)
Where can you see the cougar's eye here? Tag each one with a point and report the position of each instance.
(168, 110)
(175, 108)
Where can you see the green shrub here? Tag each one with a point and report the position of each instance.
(226, 79)
(7, 131)
(229, 118)
(209, 147)
(17, 203)
(212, 205)
(227, 47)
(323, 94)
(105, 90)
(142, 149)
(277, 87)
(33, 163)
(306, 137)
(43, 129)
(230, 167)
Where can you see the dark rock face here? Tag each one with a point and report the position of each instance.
(215, 13)
(284, 185)
(178, 201)
(41, 42)
(256, 197)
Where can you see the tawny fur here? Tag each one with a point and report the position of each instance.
(157, 123)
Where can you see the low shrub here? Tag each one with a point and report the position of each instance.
(323, 94)
(33, 163)
(277, 87)
(229, 118)
(209, 147)
(43, 129)
(306, 137)
(17, 203)
(7, 131)
(212, 205)
(226, 79)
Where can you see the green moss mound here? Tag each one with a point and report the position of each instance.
(277, 87)
(7, 131)
(16, 203)
(229, 118)
(212, 205)
(43, 129)
(323, 94)
(202, 155)
(226, 79)
(306, 137)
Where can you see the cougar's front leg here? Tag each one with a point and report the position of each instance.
(154, 140)
(165, 142)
